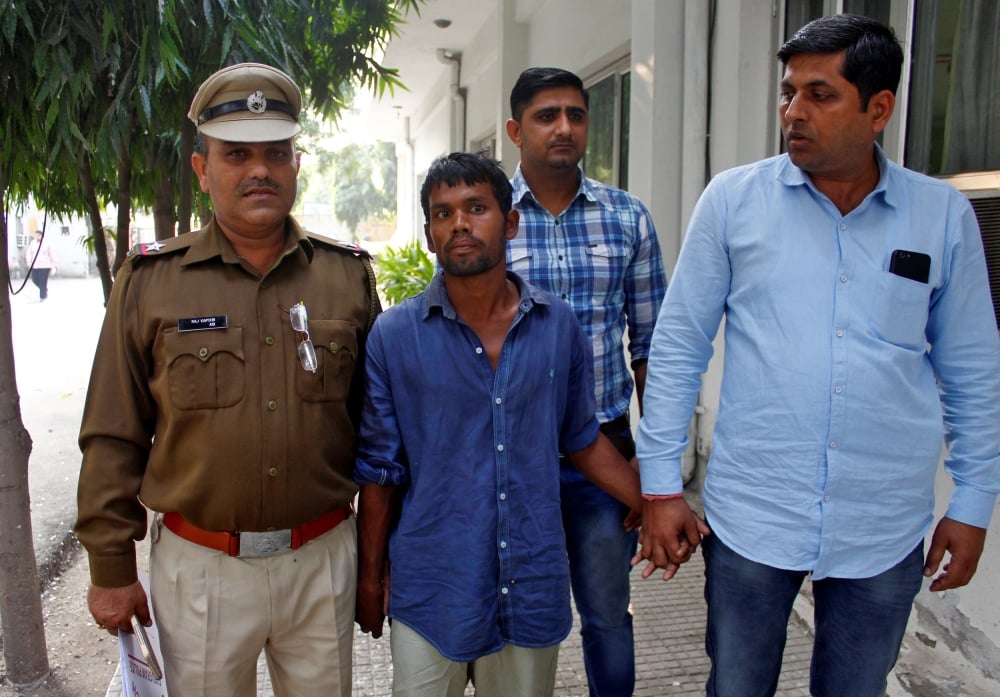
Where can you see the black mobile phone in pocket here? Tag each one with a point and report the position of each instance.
(915, 266)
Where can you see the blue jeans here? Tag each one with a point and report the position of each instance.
(600, 551)
(859, 625)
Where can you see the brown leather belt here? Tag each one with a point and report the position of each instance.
(253, 544)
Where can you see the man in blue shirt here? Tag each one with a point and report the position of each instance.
(595, 247)
(474, 388)
(858, 322)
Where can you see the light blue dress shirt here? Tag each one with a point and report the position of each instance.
(840, 378)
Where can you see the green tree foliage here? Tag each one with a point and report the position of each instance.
(97, 91)
(365, 176)
(403, 272)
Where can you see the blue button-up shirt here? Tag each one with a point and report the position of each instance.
(601, 256)
(479, 555)
(840, 377)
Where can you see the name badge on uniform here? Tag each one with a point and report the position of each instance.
(198, 324)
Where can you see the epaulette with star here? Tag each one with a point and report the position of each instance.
(158, 247)
(351, 247)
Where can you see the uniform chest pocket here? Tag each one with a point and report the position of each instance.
(901, 310)
(206, 369)
(336, 343)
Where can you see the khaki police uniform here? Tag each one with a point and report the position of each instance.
(198, 405)
(200, 409)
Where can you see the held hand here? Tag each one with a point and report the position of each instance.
(113, 608)
(670, 534)
(965, 543)
(633, 520)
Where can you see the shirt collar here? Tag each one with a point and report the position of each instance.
(436, 296)
(587, 188)
(790, 175)
(210, 242)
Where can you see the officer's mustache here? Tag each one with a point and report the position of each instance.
(252, 184)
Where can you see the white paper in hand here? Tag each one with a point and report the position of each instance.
(137, 677)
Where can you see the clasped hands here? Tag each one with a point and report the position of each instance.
(669, 535)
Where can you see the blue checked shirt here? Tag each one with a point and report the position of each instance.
(601, 256)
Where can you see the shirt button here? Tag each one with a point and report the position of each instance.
(272, 405)
(557, 223)
(563, 296)
(826, 498)
(269, 340)
(843, 226)
(499, 400)
(503, 496)
(843, 278)
(840, 332)
(203, 352)
(479, 349)
(833, 444)
(503, 544)
(504, 590)
(500, 448)
(334, 346)
(838, 389)
(560, 257)
(273, 472)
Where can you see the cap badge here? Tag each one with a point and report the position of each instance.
(257, 102)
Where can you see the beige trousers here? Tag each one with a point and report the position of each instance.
(217, 613)
(419, 670)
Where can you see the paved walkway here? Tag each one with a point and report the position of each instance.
(669, 635)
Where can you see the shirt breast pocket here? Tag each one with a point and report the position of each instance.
(520, 260)
(205, 369)
(606, 262)
(901, 311)
(336, 343)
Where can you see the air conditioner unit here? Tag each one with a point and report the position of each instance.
(983, 190)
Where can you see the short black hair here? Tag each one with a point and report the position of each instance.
(873, 58)
(468, 168)
(534, 80)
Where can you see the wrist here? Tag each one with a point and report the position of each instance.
(662, 497)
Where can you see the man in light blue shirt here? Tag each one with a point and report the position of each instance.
(859, 329)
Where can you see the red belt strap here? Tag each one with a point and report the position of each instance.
(229, 542)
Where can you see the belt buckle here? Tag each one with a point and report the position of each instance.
(265, 544)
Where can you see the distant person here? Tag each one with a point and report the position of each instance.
(859, 330)
(42, 261)
(474, 388)
(595, 247)
(225, 397)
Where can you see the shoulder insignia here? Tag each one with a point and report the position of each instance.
(159, 247)
(351, 247)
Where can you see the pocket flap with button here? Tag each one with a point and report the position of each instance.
(206, 369)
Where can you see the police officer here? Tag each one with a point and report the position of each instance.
(224, 397)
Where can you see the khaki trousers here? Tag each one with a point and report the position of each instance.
(216, 613)
(419, 670)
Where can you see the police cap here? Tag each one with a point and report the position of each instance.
(247, 103)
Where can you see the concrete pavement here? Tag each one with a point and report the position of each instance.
(669, 633)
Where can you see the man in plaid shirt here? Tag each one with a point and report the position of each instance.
(595, 247)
